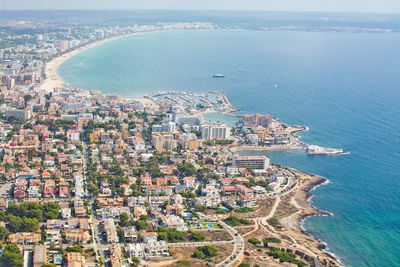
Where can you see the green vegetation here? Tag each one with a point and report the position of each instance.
(266, 241)
(182, 263)
(200, 208)
(136, 261)
(27, 216)
(196, 236)
(274, 222)
(11, 256)
(41, 212)
(171, 235)
(123, 219)
(220, 211)
(244, 210)
(243, 264)
(205, 252)
(3, 233)
(187, 169)
(235, 221)
(74, 249)
(254, 241)
(283, 256)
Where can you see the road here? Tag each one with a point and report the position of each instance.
(238, 242)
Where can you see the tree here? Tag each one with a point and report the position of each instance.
(140, 225)
(136, 261)
(29, 224)
(27, 98)
(196, 236)
(11, 256)
(243, 264)
(123, 219)
(187, 168)
(94, 189)
(74, 249)
(198, 254)
(14, 223)
(254, 241)
(271, 240)
(207, 251)
(51, 210)
(3, 233)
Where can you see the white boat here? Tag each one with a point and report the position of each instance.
(218, 75)
(318, 150)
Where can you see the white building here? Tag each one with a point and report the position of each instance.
(254, 162)
(212, 131)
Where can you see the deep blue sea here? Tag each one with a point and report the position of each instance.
(344, 86)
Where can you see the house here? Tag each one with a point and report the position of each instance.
(112, 212)
(226, 181)
(3, 204)
(136, 250)
(173, 221)
(34, 191)
(53, 236)
(173, 209)
(157, 249)
(39, 255)
(157, 190)
(63, 190)
(244, 190)
(49, 189)
(149, 236)
(130, 233)
(248, 200)
(24, 238)
(161, 181)
(116, 256)
(80, 212)
(228, 189)
(76, 259)
(273, 186)
(111, 231)
(189, 181)
(138, 211)
(259, 189)
(73, 135)
(76, 236)
(66, 213)
(209, 201)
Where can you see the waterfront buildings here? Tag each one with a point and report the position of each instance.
(253, 162)
(215, 131)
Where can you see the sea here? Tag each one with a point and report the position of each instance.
(341, 80)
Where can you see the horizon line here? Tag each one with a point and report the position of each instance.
(208, 10)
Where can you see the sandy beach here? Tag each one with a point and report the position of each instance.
(52, 79)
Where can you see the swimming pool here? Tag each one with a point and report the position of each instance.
(210, 226)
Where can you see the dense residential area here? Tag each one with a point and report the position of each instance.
(93, 179)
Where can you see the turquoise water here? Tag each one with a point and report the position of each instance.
(344, 86)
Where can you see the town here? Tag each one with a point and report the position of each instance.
(92, 179)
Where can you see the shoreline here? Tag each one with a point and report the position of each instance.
(53, 80)
(309, 183)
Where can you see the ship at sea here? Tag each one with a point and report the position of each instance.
(318, 150)
(218, 75)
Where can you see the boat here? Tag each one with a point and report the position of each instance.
(218, 75)
(318, 150)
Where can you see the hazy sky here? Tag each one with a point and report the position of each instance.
(392, 6)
